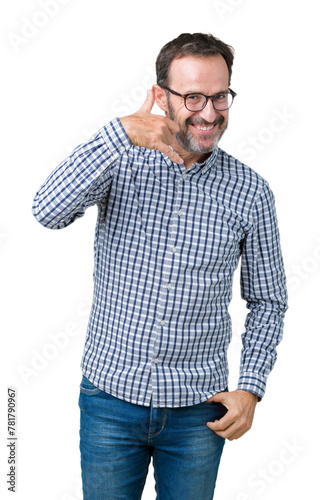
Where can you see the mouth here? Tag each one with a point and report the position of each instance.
(203, 127)
(204, 130)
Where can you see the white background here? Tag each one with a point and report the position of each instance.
(67, 68)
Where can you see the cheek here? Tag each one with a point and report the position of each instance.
(186, 117)
(225, 115)
(183, 116)
(182, 120)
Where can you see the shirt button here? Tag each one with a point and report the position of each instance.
(162, 322)
(122, 149)
(180, 212)
(184, 176)
(174, 249)
(169, 286)
(156, 360)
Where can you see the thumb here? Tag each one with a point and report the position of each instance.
(148, 103)
(219, 397)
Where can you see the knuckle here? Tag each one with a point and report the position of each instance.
(237, 414)
(246, 425)
(220, 433)
(243, 422)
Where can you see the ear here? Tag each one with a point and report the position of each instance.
(160, 97)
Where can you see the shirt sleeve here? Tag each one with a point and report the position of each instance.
(263, 286)
(83, 179)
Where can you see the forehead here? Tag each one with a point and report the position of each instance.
(202, 74)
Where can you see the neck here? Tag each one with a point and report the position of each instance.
(190, 157)
(189, 161)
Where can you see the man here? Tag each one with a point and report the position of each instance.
(175, 214)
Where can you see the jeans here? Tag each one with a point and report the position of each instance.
(118, 439)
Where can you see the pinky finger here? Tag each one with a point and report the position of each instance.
(171, 154)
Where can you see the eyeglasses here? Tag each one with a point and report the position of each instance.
(196, 102)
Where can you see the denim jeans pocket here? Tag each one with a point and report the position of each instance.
(86, 387)
(209, 403)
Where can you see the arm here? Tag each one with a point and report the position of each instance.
(81, 180)
(263, 286)
(84, 178)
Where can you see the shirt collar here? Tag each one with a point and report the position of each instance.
(206, 165)
(210, 161)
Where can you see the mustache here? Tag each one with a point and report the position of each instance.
(200, 121)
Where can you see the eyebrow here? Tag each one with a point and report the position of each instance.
(198, 92)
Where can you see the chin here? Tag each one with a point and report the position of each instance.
(189, 143)
(195, 147)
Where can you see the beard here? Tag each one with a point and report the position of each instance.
(187, 140)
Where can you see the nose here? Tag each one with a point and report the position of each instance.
(208, 113)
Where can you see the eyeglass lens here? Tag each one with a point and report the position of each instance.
(196, 102)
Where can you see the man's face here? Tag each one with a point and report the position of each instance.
(200, 131)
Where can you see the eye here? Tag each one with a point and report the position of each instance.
(194, 97)
(221, 97)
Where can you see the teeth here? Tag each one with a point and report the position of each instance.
(204, 128)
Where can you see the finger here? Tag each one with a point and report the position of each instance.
(231, 433)
(172, 126)
(234, 431)
(225, 433)
(220, 397)
(225, 427)
(148, 103)
(170, 153)
(222, 424)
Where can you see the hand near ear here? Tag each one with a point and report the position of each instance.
(151, 131)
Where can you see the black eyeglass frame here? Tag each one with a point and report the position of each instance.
(185, 96)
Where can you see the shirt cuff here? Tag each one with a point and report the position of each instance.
(252, 382)
(116, 137)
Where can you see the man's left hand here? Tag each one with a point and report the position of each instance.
(238, 419)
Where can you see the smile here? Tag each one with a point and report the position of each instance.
(202, 128)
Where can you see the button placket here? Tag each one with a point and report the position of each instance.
(165, 300)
